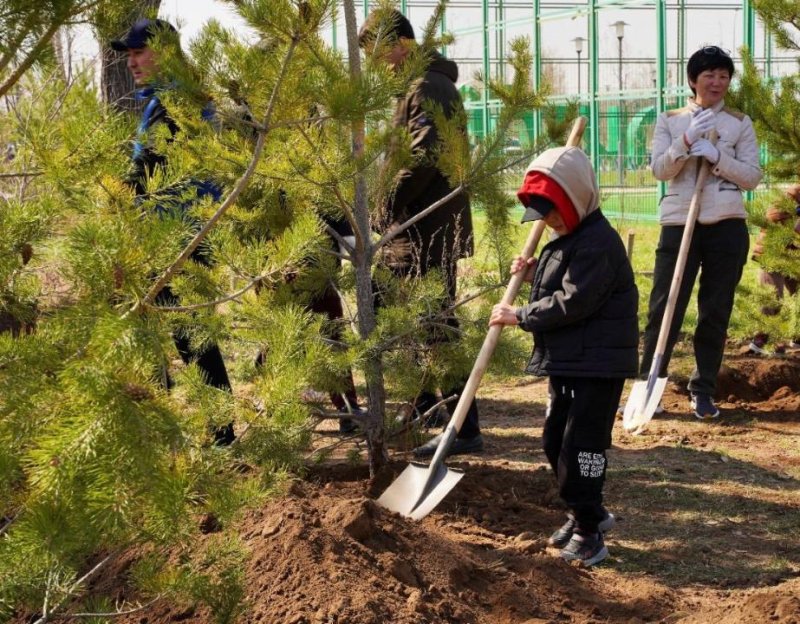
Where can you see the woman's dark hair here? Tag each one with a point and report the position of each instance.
(708, 58)
(388, 25)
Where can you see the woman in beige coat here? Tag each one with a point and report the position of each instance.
(720, 241)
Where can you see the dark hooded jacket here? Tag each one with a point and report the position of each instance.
(446, 234)
(583, 304)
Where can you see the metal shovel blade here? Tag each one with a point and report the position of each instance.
(417, 491)
(642, 404)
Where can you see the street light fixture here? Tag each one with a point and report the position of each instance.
(619, 26)
(578, 41)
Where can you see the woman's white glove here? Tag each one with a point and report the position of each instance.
(705, 149)
(701, 123)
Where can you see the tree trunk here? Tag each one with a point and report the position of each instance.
(116, 81)
(362, 261)
(63, 59)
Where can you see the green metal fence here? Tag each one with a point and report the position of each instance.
(622, 75)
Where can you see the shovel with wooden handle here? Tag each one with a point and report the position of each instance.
(646, 395)
(419, 488)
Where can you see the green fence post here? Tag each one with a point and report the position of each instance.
(537, 63)
(594, 110)
(485, 67)
(500, 40)
(749, 16)
(443, 31)
(661, 71)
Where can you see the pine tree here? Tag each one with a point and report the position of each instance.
(774, 104)
(95, 453)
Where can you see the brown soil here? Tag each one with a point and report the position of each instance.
(707, 527)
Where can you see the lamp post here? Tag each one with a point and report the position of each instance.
(578, 41)
(620, 30)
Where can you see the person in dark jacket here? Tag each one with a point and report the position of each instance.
(583, 315)
(440, 239)
(328, 302)
(142, 62)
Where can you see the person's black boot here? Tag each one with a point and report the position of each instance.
(460, 446)
(224, 436)
(347, 425)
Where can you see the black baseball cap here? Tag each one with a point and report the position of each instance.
(141, 33)
(537, 208)
(391, 24)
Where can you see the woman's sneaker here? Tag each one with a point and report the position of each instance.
(562, 536)
(587, 549)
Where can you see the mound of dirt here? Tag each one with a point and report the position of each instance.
(749, 379)
(778, 605)
(327, 554)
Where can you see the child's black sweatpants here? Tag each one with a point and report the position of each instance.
(577, 432)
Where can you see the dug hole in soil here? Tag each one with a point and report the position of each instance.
(327, 554)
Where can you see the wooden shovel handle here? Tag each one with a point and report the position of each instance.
(514, 284)
(683, 255)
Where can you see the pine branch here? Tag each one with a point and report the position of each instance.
(429, 319)
(339, 239)
(47, 615)
(346, 208)
(40, 45)
(9, 522)
(393, 232)
(13, 46)
(43, 42)
(234, 195)
(211, 304)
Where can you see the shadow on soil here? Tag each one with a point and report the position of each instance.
(686, 515)
(699, 517)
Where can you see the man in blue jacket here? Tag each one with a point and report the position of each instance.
(142, 62)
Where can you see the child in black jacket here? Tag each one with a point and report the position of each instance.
(583, 315)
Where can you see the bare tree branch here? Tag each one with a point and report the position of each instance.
(210, 304)
(21, 174)
(68, 616)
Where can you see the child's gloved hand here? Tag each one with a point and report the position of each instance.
(518, 264)
(703, 148)
(701, 123)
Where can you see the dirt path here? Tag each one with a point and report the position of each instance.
(708, 527)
